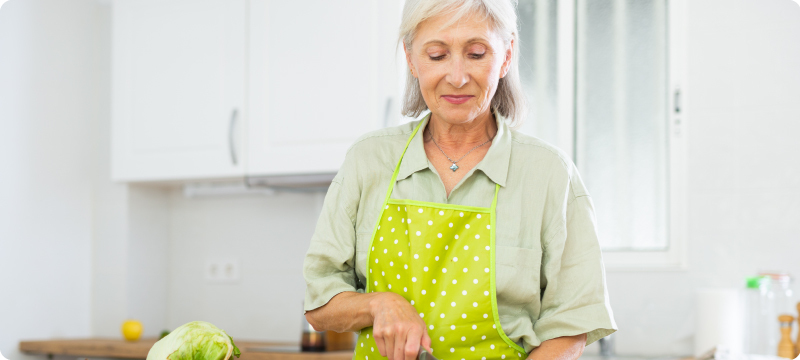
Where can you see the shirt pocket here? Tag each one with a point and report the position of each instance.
(517, 275)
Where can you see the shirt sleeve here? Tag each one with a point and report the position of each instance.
(574, 295)
(329, 265)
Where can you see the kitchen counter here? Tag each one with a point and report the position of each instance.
(631, 357)
(251, 350)
(115, 348)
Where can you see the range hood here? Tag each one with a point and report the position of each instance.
(303, 181)
(261, 185)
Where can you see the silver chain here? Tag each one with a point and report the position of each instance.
(454, 167)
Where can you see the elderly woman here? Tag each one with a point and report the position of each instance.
(456, 234)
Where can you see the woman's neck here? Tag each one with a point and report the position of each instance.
(462, 135)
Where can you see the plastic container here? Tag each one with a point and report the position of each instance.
(758, 310)
(780, 301)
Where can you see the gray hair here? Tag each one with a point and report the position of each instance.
(509, 99)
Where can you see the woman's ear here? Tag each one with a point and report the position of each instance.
(408, 60)
(507, 61)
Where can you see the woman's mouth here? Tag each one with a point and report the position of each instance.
(457, 99)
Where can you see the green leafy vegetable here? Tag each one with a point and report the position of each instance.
(197, 340)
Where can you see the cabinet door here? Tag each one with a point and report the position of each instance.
(178, 89)
(322, 73)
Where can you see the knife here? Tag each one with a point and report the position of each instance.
(425, 355)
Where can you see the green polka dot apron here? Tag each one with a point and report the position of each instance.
(440, 257)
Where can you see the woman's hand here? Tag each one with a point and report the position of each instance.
(397, 327)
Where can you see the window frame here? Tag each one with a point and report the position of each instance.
(674, 257)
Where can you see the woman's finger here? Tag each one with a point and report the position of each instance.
(377, 335)
(412, 343)
(388, 341)
(400, 342)
(426, 340)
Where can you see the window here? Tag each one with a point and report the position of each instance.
(602, 78)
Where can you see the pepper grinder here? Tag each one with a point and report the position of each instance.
(785, 346)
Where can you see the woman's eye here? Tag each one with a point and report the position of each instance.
(437, 58)
(476, 56)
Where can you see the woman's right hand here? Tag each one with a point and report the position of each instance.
(398, 329)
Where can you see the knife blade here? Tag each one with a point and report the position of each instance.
(425, 355)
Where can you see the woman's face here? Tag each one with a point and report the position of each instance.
(458, 67)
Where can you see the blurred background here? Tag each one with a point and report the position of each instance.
(166, 160)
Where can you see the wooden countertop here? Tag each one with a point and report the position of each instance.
(116, 348)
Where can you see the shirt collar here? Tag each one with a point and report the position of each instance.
(494, 164)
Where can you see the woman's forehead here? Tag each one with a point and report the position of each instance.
(448, 30)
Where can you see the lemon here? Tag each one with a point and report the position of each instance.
(131, 330)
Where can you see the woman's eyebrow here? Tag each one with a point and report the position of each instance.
(470, 41)
(434, 41)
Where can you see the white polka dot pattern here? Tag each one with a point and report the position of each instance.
(457, 315)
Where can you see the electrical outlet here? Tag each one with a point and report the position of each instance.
(222, 271)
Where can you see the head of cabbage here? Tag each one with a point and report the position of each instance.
(197, 340)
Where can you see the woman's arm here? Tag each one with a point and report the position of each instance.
(560, 348)
(396, 325)
(347, 311)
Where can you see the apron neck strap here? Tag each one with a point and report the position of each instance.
(494, 200)
(397, 167)
(397, 170)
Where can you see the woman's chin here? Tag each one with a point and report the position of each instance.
(457, 113)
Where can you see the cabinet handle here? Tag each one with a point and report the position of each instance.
(231, 136)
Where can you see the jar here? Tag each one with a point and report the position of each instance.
(780, 302)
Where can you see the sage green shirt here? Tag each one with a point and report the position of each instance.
(550, 275)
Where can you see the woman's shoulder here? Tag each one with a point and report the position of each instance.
(545, 159)
(534, 149)
(381, 142)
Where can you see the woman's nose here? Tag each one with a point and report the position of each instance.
(457, 76)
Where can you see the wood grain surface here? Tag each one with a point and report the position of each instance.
(121, 349)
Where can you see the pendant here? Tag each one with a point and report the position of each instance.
(454, 167)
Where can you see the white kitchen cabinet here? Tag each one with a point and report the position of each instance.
(321, 73)
(222, 89)
(178, 89)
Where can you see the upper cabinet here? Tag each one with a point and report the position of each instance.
(178, 89)
(211, 89)
(322, 73)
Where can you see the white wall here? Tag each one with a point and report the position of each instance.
(268, 235)
(129, 257)
(51, 95)
(743, 118)
(147, 269)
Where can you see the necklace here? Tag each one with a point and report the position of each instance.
(454, 167)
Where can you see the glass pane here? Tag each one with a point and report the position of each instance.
(538, 66)
(621, 119)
